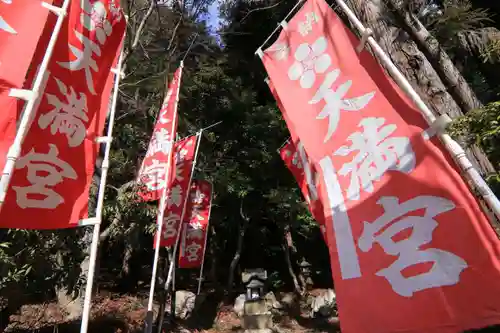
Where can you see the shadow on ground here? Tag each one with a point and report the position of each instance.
(101, 325)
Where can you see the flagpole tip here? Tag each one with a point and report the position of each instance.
(259, 52)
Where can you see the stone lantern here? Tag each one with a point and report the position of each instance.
(254, 281)
(305, 270)
(256, 317)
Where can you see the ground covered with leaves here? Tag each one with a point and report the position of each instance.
(115, 313)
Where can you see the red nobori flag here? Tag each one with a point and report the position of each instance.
(298, 163)
(185, 153)
(304, 172)
(154, 166)
(21, 25)
(53, 174)
(195, 225)
(410, 248)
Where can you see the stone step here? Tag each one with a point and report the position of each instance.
(260, 321)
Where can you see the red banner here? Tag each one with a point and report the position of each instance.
(184, 157)
(54, 172)
(410, 249)
(195, 225)
(298, 163)
(154, 166)
(21, 24)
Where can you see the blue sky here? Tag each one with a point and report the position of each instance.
(213, 20)
(213, 15)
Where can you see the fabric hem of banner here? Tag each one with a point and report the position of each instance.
(452, 328)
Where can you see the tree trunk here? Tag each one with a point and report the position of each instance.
(163, 298)
(127, 276)
(472, 46)
(442, 63)
(237, 256)
(287, 248)
(213, 260)
(444, 66)
(414, 65)
(239, 248)
(73, 304)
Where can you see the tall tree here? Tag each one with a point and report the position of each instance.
(398, 43)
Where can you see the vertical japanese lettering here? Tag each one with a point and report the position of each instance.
(44, 172)
(446, 266)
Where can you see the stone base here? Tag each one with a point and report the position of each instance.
(263, 330)
(257, 322)
(255, 307)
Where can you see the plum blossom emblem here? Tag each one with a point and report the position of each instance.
(309, 60)
(296, 160)
(180, 155)
(197, 197)
(94, 18)
(115, 11)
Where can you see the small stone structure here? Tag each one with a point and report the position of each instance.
(256, 316)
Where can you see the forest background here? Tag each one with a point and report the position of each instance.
(448, 49)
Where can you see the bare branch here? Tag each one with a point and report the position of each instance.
(174, 33)
(242, 213)
(125, 84)
(117, 219)
(139, 30)
(259, 9)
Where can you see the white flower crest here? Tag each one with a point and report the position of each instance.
(296, 160)
(310, 59)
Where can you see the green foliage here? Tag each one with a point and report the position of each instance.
(491, 52)
(10, 273)
(482, 127)
(458, 16)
